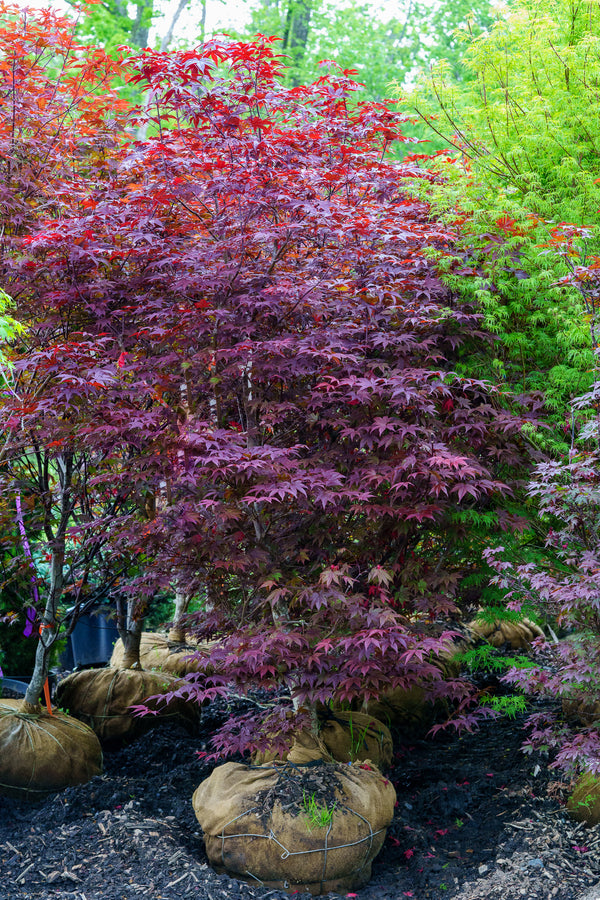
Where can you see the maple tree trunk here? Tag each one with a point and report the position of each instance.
(203, 21)
(180, 7)
(140, 27)
(48, 633)
(182, 601)
(130, 632)
(281, 619)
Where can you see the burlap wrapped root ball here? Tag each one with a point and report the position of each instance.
(102, 698)
(302, 748)
(258, 825)
(412, 710)
(584, 802)
(343, 737)
(449, 660)
(42, 753)
(159, 652)
(355, 737)
(518, 635)
(409, 710)
(581, 711)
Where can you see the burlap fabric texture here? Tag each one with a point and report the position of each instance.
(584, 802)
(160, 652)
(304, 748)
(344, 737)
(355, 737)
(583, 712)
(41, 753)
(102, 699)
(407, 709)
(280, 846)
(518, 635)
(449, 661)
(410, 709)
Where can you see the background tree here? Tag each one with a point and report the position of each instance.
(112, 23)
(523, 118)
(358, 36)
(526, 193)
(508, 122)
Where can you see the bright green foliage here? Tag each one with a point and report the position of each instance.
(506, 268)
(527, 129)
(487, 659)
(112, 23)
(317, 816)
(527, 126)
(510, 705)
(9, 327)
(498, 613)
(527, 116)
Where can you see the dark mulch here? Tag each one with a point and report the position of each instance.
(294, 788)
(475, 820)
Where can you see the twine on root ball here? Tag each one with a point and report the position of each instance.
(103, 699)
(257, 824)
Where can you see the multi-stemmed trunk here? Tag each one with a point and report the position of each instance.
(48, 627)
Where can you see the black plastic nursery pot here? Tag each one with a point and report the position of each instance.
(91, 642)
(18, 684)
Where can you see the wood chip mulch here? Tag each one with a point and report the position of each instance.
(475, 820)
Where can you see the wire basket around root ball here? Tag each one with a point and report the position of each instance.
(315, 827)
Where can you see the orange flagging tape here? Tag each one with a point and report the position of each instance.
(47, 697)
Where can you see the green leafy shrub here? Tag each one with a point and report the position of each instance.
(526, 127)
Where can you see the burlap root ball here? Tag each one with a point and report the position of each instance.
(355, 737)
(344, 737)
(449, 660)
(583, 712)
(159, 652)
(302, 748)
(102, 699)
(408, 710)
(584, 802)
(41, 753)
(254, 829)
(411, 709)
(518, 635)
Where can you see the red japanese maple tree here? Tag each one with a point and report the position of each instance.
(59, 125)
(241, 328)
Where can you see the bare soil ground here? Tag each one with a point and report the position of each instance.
(475, 820)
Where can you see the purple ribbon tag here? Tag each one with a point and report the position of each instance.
(30, 616)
